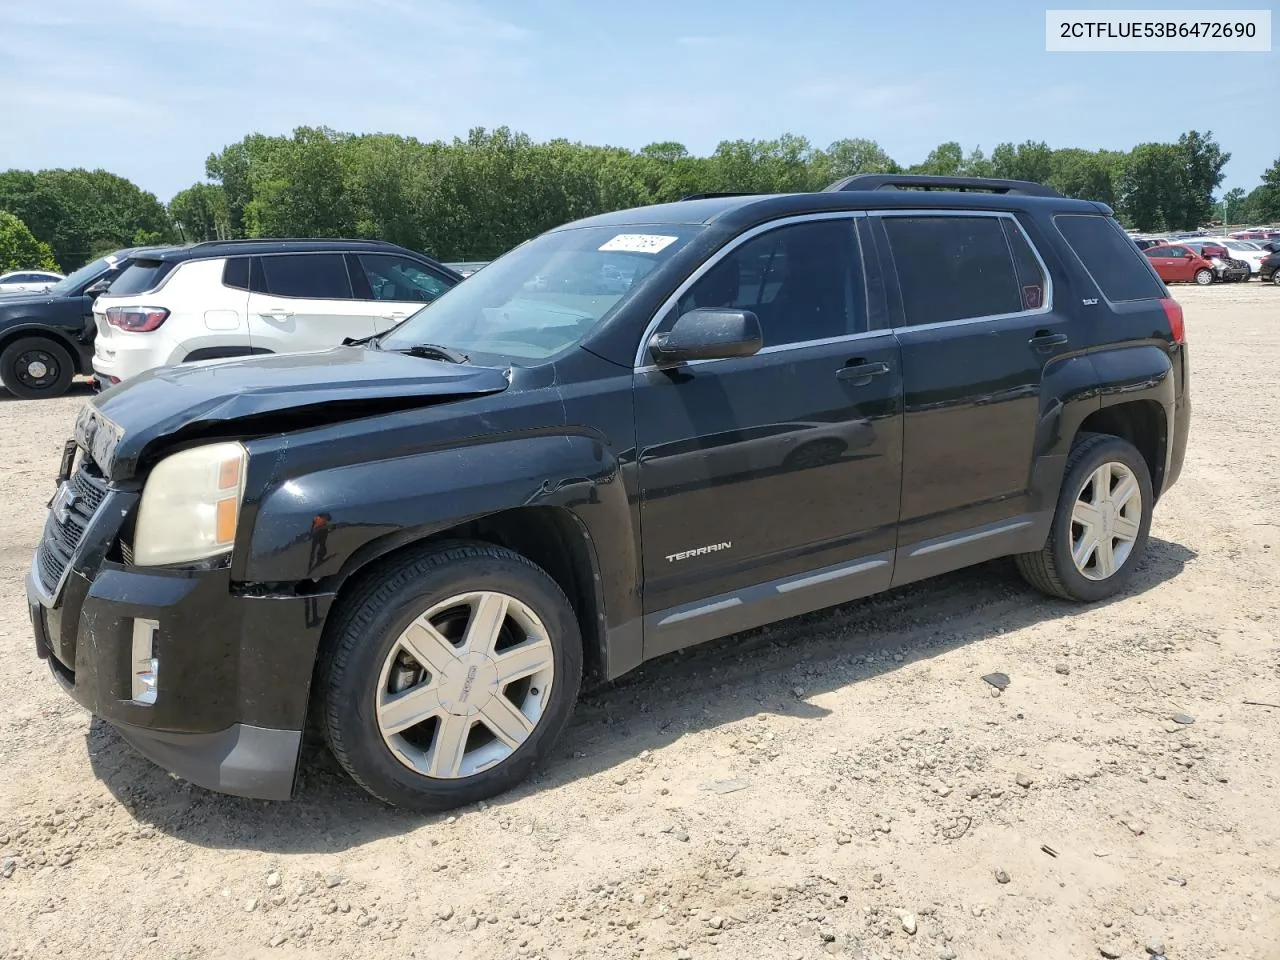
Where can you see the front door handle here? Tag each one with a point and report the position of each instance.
(1044, 338)
(861, 372)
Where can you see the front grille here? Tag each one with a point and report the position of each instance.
(62, 536)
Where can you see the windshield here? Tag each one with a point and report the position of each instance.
(1239, 245)
(545, 295)
(70, 283)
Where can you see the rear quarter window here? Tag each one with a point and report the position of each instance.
(1114, 263)
(139, 277)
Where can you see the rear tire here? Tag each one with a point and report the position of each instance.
(1275, 278)
(448, 676)
(1204, 276)
(1106, 500)
(36, 368)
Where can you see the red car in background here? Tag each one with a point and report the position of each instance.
(1177, 264)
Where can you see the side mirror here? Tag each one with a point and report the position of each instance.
(708, 333)
(98, 288)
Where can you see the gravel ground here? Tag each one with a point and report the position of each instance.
(844, 784)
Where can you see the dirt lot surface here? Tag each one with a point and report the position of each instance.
(841, 785)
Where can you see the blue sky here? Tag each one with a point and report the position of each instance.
(148, 88)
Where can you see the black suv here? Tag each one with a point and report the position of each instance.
(47, 338)
(633, 433)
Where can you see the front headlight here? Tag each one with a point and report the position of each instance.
(190, 505)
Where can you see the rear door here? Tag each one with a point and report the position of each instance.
(971, 303)
(304, 301)
(397, 285)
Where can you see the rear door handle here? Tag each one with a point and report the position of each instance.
(278, 314)
(1044, 338)
(861, 372)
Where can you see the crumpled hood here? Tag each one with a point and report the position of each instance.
(119, 425)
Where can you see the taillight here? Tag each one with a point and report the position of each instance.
(137, 319)
(1173, 310)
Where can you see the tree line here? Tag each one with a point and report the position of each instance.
(477, 197)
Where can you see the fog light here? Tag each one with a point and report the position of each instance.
(146, 667)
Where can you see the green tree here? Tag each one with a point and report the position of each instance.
(846, 158)
(945, 160)
(1233, 205)
(19, 249)
(1030, 160)
(200, 212)
(1200, 164)
(80, 213)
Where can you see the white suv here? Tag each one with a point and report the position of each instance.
(233, 298)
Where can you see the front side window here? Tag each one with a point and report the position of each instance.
(398, 278)
(801, 280)
(545, 295)
(72, 283)
(955, 268)
(309, 276)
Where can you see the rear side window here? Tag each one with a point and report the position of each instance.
(957, 268)
(1112, 261)
(1031, 279)
(235, 273)
(139, 277)
(310, 276)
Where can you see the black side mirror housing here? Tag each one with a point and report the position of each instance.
(97, 288)
(708, 333)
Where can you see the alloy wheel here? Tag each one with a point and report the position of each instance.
(465, 685)
(1105, 521)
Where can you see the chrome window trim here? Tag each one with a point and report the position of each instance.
(1046, 307)
(641, 364)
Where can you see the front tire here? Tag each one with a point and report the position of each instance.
(449, 675)
(36, 368)
(1100, 525)
(1204, 276)
(1275, 278)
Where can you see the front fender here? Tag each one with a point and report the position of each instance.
(323, 526)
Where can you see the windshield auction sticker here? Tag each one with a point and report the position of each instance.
(638, 243)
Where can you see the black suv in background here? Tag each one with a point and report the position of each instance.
(634, 433)
(47, 338)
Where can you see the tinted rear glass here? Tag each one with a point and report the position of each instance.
(139, 277)
(236, 273)
(1114, 263)
(313, 276)
(953, 268)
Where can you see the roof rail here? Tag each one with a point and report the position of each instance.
(896, 181)
(211, 243)
(706, 196)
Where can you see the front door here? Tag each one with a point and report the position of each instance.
(769, 484)
(973, 312)
(303, 301)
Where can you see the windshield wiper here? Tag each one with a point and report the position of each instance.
(358, 341)
(434, 351)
